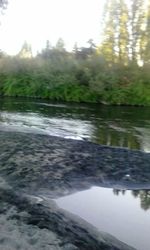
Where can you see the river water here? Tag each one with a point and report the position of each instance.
(109, 125)
(124, 214)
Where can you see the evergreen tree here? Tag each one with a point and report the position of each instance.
(60, 45)
(48, 45)
(26, 51)
(47, 51)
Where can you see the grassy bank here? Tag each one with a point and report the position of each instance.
(91, 80)
(38, 87)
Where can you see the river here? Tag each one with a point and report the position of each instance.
(121, 126)
(128, 216)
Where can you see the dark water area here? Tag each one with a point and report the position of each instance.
(121, 126)
(122, 213)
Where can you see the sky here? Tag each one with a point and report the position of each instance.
(36, 21)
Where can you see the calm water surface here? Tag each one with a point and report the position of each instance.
(124, 214)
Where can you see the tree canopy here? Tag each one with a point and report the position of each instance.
(126, 31)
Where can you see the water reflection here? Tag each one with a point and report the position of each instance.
(142, 195)
(114, 211)
(113, 126)
(108, 135)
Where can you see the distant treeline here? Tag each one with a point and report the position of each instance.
(116, 72)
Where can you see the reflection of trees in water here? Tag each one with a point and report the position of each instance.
(143, 195)
(118, 191)
(111, 137)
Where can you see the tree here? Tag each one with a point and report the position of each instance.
(48, 45)
(47, 51)
(108, 47)
(136, 21)
(75, 48)
(2, 54)
(123, 32)
(91, 43)
(92, 46)
(145, 39)
(115, 46)
(60, 45)
(26, 51)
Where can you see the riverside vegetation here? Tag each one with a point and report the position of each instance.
(66, 78)
(114, 72)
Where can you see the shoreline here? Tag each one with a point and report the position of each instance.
(101, 102)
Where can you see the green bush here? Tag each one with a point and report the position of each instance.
(70, 79)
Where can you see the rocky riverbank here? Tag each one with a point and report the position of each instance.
(35, 165)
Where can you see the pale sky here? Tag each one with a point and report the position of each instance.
(39, 20)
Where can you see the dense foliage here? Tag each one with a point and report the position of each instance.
(116, 72)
